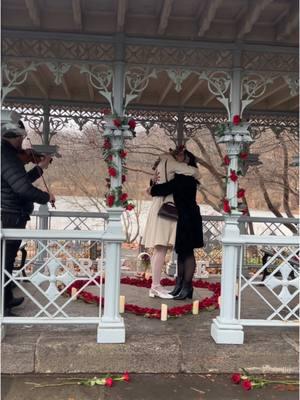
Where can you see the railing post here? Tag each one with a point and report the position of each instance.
(42, 223)
(111, 327)
(225, 328)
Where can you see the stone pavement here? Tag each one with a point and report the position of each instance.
(146, 387)
(179, 345)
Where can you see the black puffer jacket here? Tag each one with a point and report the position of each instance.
(17, 192)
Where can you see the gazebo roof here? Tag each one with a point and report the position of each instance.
(264, 21)
(187, 37)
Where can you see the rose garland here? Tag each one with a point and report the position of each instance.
(116, 197)
(234, 175)
(209, 303)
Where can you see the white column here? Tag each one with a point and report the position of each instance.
(225, 328)
(111, 327)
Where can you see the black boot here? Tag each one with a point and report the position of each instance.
(178, 286)
(186, 292)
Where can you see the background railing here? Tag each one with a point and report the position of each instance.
(211, 254)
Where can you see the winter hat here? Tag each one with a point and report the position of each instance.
(11, 124)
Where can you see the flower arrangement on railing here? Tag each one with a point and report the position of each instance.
(249, 382)
(116, 196)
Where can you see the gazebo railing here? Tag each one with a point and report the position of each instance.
(211, 254)
(273, 295)
(49, 288)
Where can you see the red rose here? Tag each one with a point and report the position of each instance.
(233, 176)
(123, 153)
(112, 171)
(241, 193)
(132, 123)
(236, 120)
(117, 122)
(123, 197)
(247, 385)
(243, 155)
(110, 199)
(107, 144)
(236, 378)
(109, 382)
(226, 160)
(226, 206)
(123, 178)
(129, 207)
(126, 377)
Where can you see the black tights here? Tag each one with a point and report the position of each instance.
(186, 265)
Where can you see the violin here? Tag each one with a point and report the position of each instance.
(30, 155)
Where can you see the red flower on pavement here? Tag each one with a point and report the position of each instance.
(129, 207)
(123, 178)
(110, 200)
(247, 385)
(236, 119)
(109, 382)
(226, 206)
(226, 160)
(112, 171)
(122, 153)
(107, 144)
(126, 377)
(117, 122)
(132, 123)
(241, 193)
(233, 175)
(236, 378)
(123, 197)
(243, 155)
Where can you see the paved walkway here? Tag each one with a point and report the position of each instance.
(181, 345)
(146, 387)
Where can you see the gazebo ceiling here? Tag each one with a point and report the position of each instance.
(186, 33)
(259, 21)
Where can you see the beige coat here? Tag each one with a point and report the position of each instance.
(161, 231)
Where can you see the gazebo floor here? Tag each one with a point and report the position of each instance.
(179, 345)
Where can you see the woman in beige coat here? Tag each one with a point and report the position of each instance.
(160, 233)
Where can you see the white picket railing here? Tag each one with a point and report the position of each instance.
(45, 287)
(279, 295)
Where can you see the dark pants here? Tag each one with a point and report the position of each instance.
(11, 221)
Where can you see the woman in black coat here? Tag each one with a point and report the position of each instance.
(189, 233)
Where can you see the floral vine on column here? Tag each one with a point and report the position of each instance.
(115, 196)
(229, 132)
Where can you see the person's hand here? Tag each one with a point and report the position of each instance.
(52, 198)
(148, 190)
(44, 163)
(156, 177)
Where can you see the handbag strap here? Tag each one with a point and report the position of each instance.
(166, 171)
(166, 175)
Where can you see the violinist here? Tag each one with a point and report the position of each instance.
(17, 192)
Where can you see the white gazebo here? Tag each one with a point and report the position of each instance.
(182, 64)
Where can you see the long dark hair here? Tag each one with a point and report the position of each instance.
(191, 158)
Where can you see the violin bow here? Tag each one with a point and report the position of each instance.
(41, 175)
